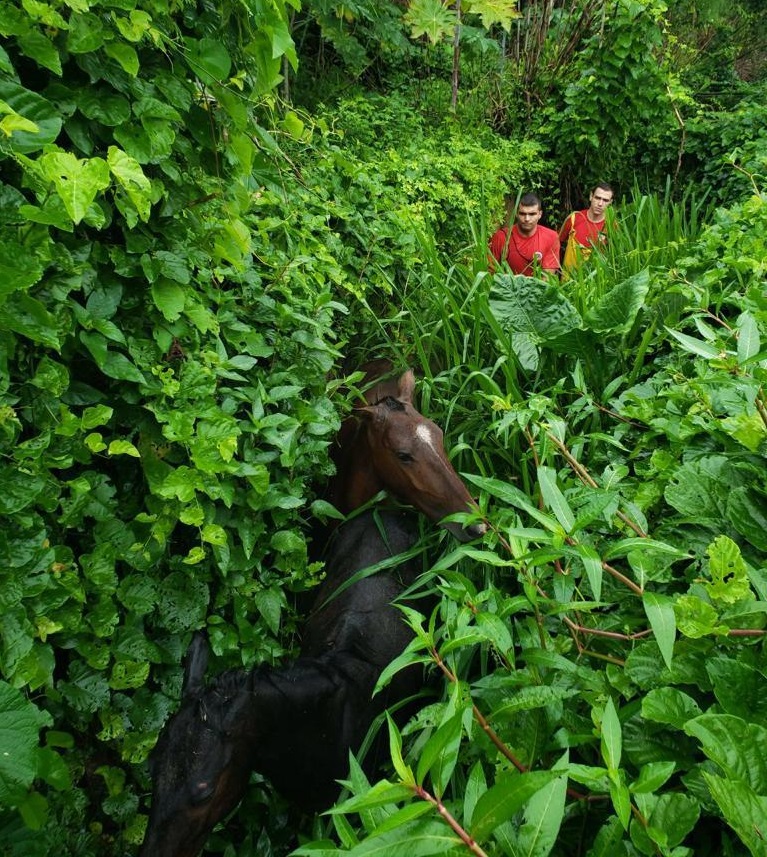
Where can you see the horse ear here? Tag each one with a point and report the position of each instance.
(406, 387)
(195, 665)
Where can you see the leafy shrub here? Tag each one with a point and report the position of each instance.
(728, 151)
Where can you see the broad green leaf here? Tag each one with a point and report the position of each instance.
(618, 309)
(20, 724)
(195, 556)
(669, 705)
(424, 837)
(13, 122)
(503, 12)
(525, 305)
(624, 546)
(476, 786)
(739, 688)
(607, 841)
(495, 631)
(747, 428)
(19, 268)
(213, 534)
(86, 33)
(514, 497)
(528, 698)
(95, 442)
(555, 499)
(77, 181)
(430, 18)
(131, 178)
(383, 793)
(503, 800)
(182, 602)
(169, 298)
(269, 603)
(119, 366)
(104, 105)
(729, 580)
(208, 59)
(652, 776)
(123, 447)
(41, 49)
(135, 26)
(660, 612)
(28, 316)
(671, 819)
(98, 415)
(738, 747)
(621, 798)
(742, 809)
(125, 55)
(697, 618)
(33, 808)
(293, 125)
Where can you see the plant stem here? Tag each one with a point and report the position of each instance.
(473, 847)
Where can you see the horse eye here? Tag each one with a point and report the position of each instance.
(404, 456)
(203, 792)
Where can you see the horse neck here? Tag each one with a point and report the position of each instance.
(355, 481)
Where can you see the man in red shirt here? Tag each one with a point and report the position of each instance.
(584, 230)
(527, 247)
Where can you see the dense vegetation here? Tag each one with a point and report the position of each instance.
(210, 214)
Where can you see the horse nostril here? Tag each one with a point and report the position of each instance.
(478, 529)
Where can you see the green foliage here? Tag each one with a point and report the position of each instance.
(175, 268)
(728, 150)
(164, 396)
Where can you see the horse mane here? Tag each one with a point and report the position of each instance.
(391, 403)
(232, 682)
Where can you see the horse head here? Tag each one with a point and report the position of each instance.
(407, 455)
(201, 764)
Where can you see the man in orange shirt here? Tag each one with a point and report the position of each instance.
(584, 230)
(527, 247)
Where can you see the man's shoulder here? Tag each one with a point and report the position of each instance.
(546, 232)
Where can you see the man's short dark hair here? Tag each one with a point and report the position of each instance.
(530, 199)
(604, 186)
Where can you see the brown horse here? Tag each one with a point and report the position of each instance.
(387, 445)
(294, 725)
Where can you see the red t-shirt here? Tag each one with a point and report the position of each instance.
(522, 251)
(587, 233)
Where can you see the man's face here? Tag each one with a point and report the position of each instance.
(599, 201)
(527, 218)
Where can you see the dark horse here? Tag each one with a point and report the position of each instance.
(294, 725)
(386, 444)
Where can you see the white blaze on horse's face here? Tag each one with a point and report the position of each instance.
(425, 434)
